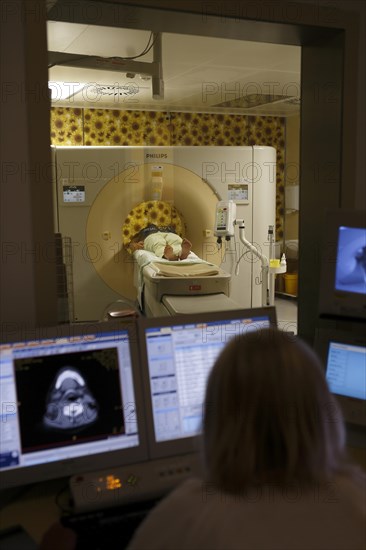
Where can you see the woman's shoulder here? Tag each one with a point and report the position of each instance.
(161, 525)
(191, 517)
(190, 489)
(352, 486)
(187, 492)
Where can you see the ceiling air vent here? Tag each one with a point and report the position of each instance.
(114, 91)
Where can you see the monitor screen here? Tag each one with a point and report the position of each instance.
(343, 265)
(350, 275)
(346, 370)
(68, 402)
(177, 356)
(344, 358)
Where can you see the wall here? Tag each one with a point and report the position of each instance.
(358, 92)
(28, 270)
(277, 22)
(116, 127)
(292, 173)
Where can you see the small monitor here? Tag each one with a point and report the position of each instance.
(344, 357)
(70, 400)
(343, 265)
(177, 354)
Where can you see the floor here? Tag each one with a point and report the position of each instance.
(286, 314)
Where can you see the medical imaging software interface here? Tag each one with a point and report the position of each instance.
(180, 359)
(346, 372)
(66, 397)
(351, 260)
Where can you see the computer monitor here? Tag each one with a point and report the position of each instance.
(70, 402)
(343, 265)
(177, 354)
(344, 357)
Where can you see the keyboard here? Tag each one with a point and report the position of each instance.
(108, 529)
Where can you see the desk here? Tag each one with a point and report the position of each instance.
(35, 508)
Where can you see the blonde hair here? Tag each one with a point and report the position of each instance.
(269, 416)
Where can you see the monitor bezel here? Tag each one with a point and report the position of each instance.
(322, 342)
(23, 476)
(187, 445)
(335, 303)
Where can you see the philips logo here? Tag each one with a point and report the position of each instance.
(156, 155)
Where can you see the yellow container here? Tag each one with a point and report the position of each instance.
(291, 280)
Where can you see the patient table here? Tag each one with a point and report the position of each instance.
(188, 286)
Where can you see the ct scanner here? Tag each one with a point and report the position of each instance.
(100, 202)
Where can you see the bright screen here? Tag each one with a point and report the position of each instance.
(64, 398)
(346, 370)
(342, 288)
(180, 358)
(350, 273)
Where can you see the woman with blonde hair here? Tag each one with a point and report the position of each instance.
(276, 472)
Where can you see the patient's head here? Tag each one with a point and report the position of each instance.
(269, 416)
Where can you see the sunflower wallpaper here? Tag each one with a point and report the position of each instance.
(76, 126)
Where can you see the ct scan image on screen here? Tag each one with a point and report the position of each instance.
(350, 273)
(68, 399)
(68, 394)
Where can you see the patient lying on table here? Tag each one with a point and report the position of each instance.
(167, 245)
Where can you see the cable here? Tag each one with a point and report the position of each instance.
(238, 262)
(144, 52)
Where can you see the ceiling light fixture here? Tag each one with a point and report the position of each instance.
(106, 90)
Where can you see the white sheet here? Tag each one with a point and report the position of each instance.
(145, 258)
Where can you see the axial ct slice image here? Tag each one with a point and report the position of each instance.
(70, 404)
